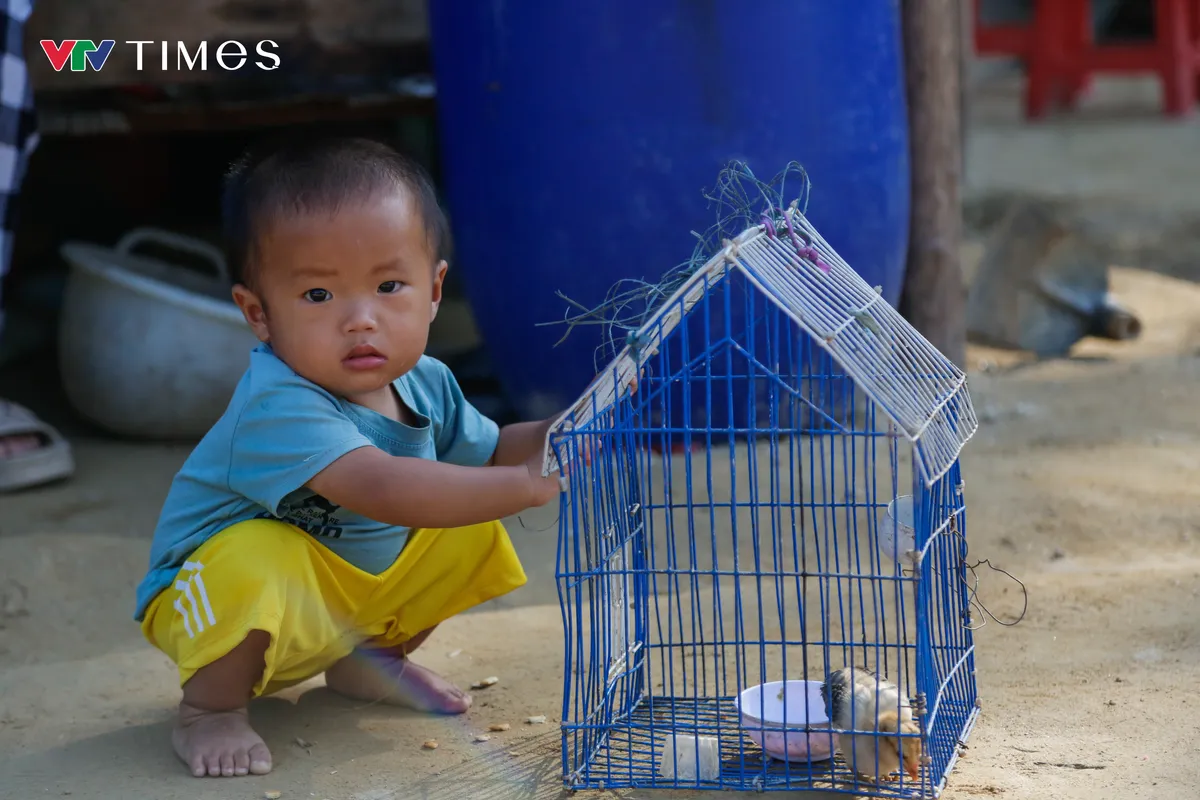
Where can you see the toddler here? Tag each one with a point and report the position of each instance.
(347, 501)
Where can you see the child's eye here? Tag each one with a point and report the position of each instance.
(390, 287)
(316, 295)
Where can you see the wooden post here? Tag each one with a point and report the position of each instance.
(934, 295)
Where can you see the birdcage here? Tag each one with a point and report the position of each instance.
(776, 497)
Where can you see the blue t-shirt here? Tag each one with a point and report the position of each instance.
(279, 431)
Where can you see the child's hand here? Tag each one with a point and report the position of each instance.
(542, 489)
(586, 453)
(588, 448)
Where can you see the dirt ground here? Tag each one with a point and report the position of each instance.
(1081, 481)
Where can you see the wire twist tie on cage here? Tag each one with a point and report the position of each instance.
(866, 320)
(636, 344)
(804, 248)
(731, 250)
(768, 223)
(563, 486)
(916, 557)
(800, 240)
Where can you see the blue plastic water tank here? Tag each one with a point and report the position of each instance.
(577, 139)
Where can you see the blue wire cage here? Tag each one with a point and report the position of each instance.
(818, 525)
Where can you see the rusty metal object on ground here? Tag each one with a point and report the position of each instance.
(1043, 285)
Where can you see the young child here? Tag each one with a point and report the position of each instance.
(347, 501)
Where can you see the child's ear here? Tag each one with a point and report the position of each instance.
(253, 310)
(439, 277)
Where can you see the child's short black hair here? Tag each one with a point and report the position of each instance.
(315, 174)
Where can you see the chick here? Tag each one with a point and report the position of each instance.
(877, 705)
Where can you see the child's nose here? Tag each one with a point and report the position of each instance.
(361, 317)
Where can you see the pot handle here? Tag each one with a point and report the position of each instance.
(187, 244)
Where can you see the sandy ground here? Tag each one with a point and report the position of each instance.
(1114, 146)
(1081, 481)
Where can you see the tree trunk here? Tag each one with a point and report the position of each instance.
(966, 60)
(934, 296)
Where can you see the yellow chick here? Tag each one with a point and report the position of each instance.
(857, 699)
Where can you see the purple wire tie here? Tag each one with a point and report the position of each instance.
(768, 222)
(805, 249)
(812, 255)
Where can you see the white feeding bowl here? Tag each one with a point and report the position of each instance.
(897, 535)
(775, 718)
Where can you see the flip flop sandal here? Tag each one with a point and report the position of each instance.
(50, 462)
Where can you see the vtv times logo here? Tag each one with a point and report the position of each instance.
(230, 56)
(80, 52)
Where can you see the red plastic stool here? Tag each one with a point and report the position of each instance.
(1000, 40)
(1064, 51)
(1041, 45)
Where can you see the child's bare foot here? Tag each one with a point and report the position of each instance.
(388, 677)
(219, 743)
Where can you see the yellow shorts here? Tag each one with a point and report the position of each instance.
(270, 576)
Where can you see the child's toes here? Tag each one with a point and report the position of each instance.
(219, 744)
(260, 759)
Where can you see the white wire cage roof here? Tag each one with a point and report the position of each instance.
(919, 389)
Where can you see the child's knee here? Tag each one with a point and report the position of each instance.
(260, 576)
(249, 578)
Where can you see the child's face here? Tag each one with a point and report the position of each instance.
(346, 300)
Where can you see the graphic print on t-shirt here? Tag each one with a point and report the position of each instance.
(314, 515)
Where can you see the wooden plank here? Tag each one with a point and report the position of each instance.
(314, 38)
(934, 296)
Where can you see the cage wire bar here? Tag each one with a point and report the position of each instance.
(721, 527)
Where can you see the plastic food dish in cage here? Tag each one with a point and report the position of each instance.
(897, 537)
(787, 720)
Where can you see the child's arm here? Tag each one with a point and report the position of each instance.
(520, 442)
(523, 441)
(418, 493)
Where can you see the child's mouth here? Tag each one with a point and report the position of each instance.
(364, 357)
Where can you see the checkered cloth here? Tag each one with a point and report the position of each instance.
(18, 125)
